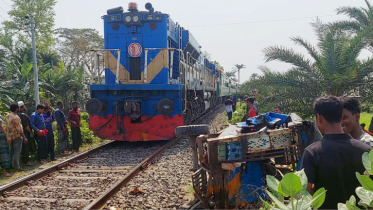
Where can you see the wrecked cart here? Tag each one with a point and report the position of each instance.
(230, 167)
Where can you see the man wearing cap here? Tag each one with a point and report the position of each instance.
(26, 146)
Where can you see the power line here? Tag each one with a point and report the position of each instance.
(260, 21)
(6, 3)
(3, 9)
(2, 17)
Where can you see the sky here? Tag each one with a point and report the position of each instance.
(232, 31)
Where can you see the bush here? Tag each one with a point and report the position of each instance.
(365, 192)
(84, 116)
(239, 113)
(292, 186)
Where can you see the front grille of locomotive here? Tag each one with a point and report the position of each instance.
(135, 68)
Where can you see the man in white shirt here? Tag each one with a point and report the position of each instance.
(351, 118)
(229, 108)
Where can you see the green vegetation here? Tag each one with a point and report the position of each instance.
(332, 66)
(365, 192)
(292, 187)
(239, 113)
(64, 59)
(366, 118)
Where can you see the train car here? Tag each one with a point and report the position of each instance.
(156, 78)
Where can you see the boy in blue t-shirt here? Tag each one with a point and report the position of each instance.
(48, 119)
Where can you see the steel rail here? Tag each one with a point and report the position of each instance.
(100, 202)
(23, 181)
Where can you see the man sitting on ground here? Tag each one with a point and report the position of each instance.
(332, 162)
(351, 118)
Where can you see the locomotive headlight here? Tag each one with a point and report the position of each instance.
(127, 19)
(135, 18)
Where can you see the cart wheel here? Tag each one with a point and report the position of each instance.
(192, 130)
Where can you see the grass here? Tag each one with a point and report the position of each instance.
(366, 117)
(31, 169)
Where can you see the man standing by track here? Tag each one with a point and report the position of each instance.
(229, 107)
(30, 145)
(48, 119)
(38, 125)
(63, 132)
(15, 131)
(4, 150)
(74, 118)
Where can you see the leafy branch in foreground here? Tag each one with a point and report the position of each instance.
(292, 186)
(365, 193)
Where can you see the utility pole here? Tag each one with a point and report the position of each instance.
(34, 63)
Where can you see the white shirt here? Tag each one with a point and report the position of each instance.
(368, 139)
(229, 108)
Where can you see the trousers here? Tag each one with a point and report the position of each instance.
(63, 141)
(51, 152)
(229, 115)
(5, 158)
(16, 148)
(26, 148)
(42, 148)
(77, 138)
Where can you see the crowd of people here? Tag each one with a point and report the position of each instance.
(23, 135)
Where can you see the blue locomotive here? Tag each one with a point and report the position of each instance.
(156, 78)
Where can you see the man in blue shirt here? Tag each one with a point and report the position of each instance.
(38, 125)
(63, 132)
(48, 119)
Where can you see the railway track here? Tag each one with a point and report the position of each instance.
(85, 181)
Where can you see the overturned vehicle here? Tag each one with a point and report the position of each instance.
(231, 166)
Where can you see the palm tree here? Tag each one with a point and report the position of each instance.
(333, 70)
(231, 75)
(238, 67)
(254, 76)
(360, 18)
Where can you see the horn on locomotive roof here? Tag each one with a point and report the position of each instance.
(149, 7)
(116, 10)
